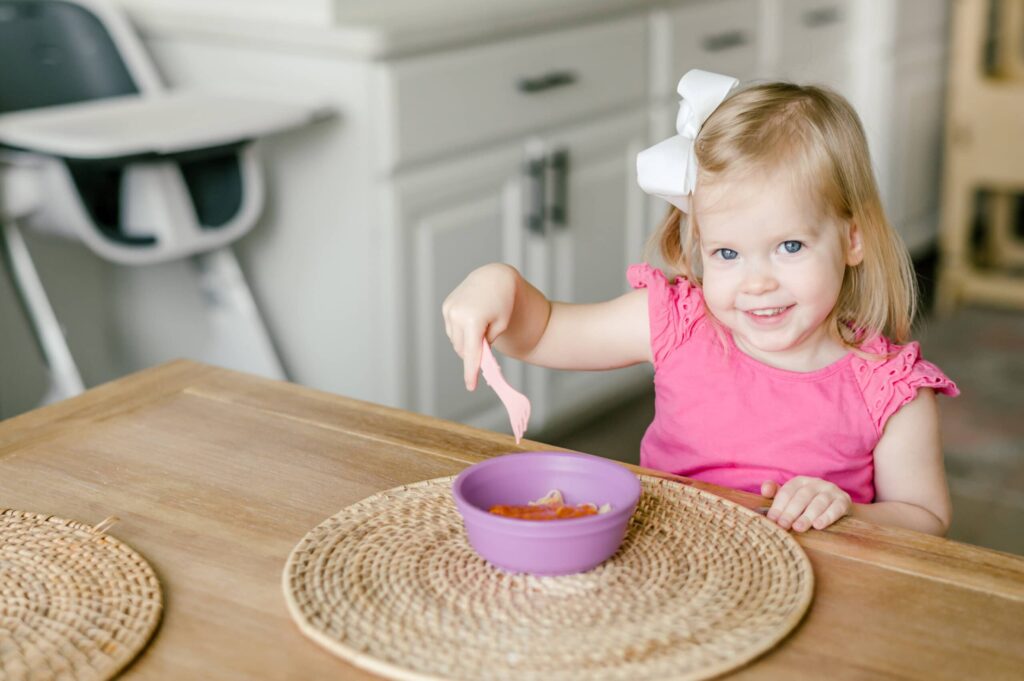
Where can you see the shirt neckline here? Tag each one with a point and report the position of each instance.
(788, 374)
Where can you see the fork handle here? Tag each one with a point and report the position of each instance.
(488, 364)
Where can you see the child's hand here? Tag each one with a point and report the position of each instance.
(804, 502)
(481, 306)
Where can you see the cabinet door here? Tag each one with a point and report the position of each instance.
(595, 229)
(451, 218)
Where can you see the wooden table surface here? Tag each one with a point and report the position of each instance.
(216, 475)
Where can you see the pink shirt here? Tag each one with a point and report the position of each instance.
(723, 417)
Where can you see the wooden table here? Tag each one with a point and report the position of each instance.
(216, 475)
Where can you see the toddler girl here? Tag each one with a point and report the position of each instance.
(780, 353)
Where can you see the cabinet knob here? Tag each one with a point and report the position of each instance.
(548, 81)
(823, 16)
(725, 41)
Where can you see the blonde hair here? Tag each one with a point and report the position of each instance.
(815, 133)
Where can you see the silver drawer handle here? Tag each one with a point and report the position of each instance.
(560, 202)
(548, 81)
(725, 41)
(823, 16)
(536, 169)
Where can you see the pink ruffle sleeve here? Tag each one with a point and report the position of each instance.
(893, 381)
(673, 308)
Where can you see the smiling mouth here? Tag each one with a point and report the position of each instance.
(769, 311)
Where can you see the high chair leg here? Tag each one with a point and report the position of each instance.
(238, 338)
(65, 381)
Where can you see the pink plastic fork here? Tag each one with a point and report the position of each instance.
(516, 403)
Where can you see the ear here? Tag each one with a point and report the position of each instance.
(855, 247)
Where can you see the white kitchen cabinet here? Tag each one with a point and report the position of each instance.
(595, 228)
(451, 218)
(559, 201)
(561, 207)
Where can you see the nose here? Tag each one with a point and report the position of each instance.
(759, 279)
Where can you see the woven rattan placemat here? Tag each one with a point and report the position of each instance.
(700, 586)
(75, 603)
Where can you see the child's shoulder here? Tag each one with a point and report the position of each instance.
(889, 375)
(643, 275)
(673, 307)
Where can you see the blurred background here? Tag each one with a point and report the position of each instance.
(459, 132)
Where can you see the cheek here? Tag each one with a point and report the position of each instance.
(717, 290)
(821, 282)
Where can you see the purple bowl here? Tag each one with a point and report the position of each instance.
(551, 547)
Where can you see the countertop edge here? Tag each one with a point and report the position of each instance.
(376, 41)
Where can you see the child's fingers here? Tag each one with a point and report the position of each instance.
(796, 506)
(495, 329)
(783, 495)
(769, 488)
(779, 502)
(469, 372)
(819, 504)
(834, 512)
(471, 350)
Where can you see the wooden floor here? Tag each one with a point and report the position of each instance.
(983, 429)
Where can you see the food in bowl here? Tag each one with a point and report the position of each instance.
(546, 548)
(551, 506)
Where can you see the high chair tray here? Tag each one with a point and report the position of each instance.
(163, 124)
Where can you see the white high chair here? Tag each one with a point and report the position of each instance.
(93, 148)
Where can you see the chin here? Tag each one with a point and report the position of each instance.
(770, 344)
(767, 341)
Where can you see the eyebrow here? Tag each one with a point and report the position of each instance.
(714, 244)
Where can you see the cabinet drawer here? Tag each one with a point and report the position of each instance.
(715, 36)
(812, 30)
(445, 102)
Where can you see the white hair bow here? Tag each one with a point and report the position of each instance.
(669, 168)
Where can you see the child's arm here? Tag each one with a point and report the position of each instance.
(496, 302)
(910, 481)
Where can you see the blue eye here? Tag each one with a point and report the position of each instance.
(792, 246)
(727, 253)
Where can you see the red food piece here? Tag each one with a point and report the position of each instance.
(553, 511)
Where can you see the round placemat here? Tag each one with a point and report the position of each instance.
(75, 603)
(699, 586)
